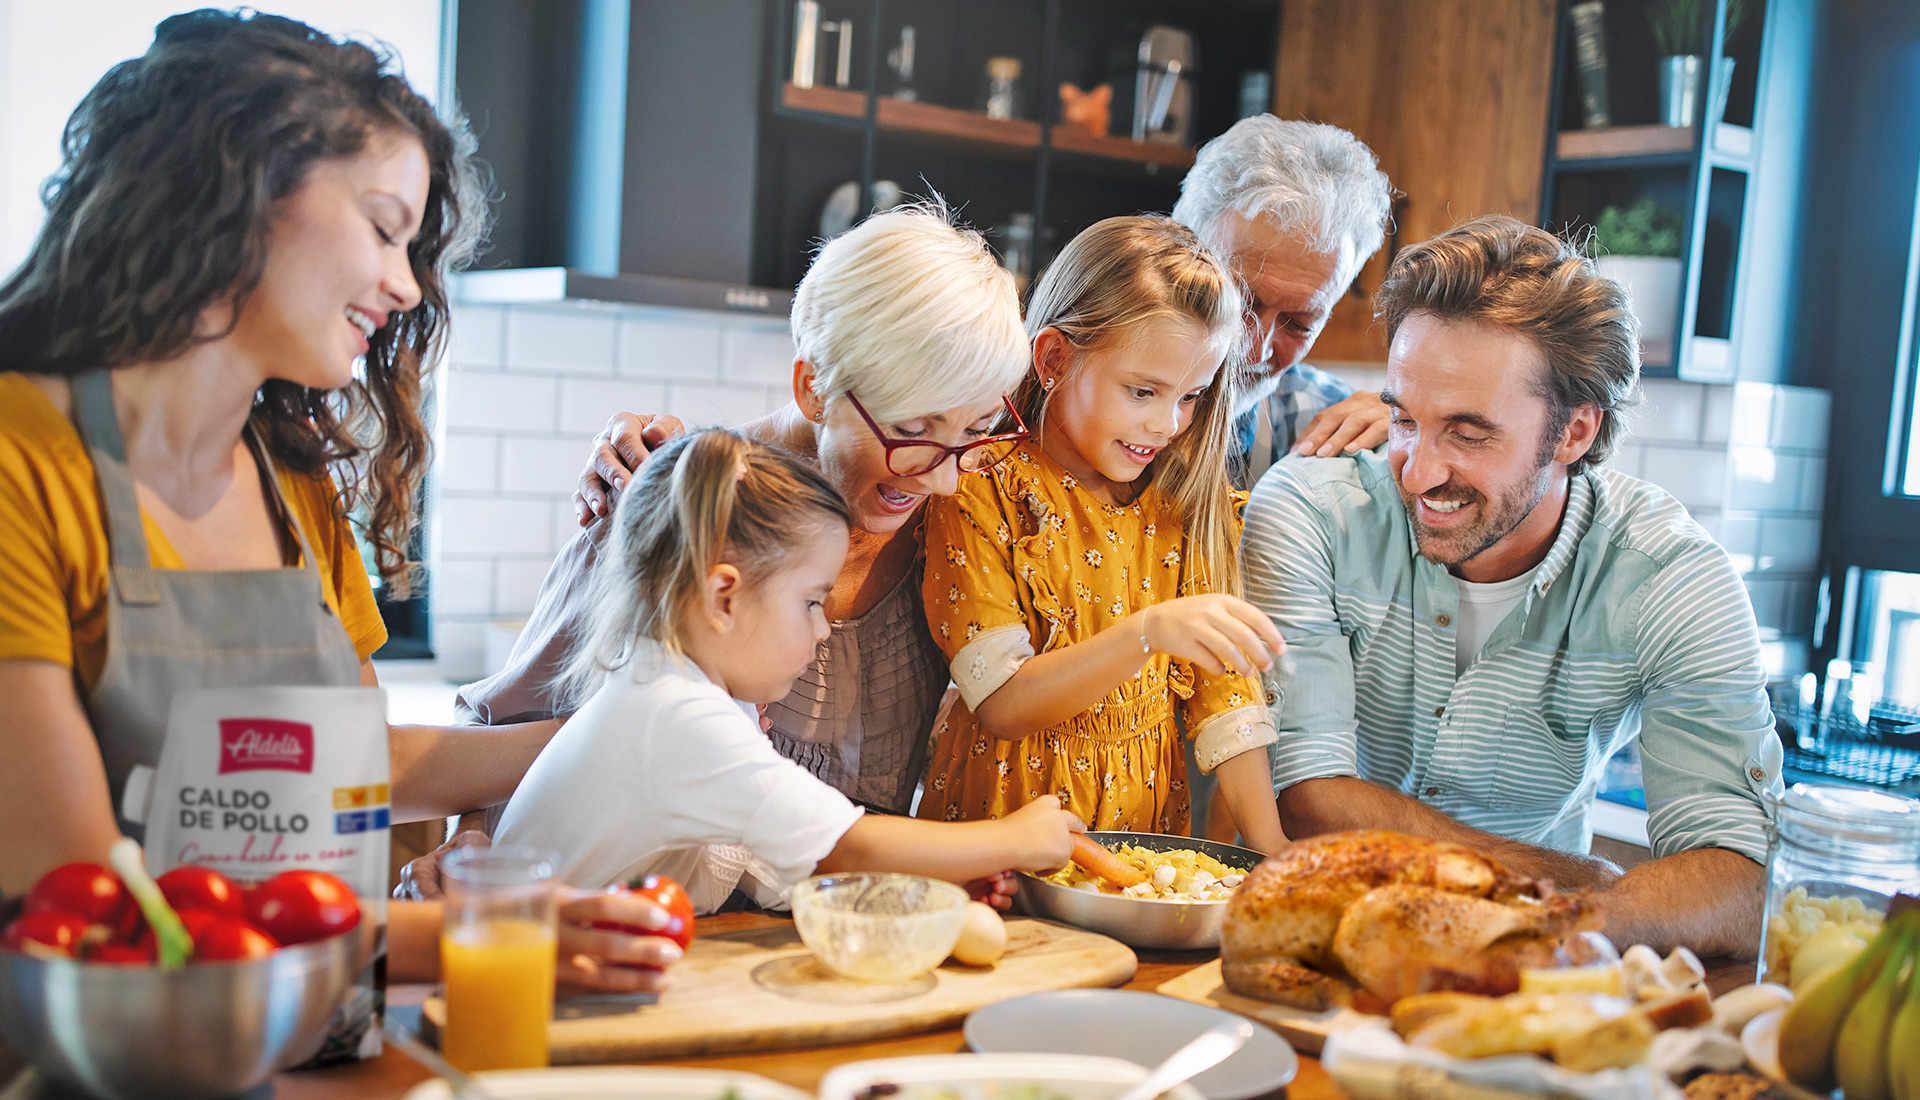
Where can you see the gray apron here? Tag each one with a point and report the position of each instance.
(173, 629)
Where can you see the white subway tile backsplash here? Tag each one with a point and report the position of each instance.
(1790, 543)
(1626, 459)
(1765, 480)
(1716, 418)
(671, 346)
(1800, 418)
(459, 648)
(586, 404)
(1813, 485)
(476, 336)
(757, 354)
(1697, 478)
(711, 406)
(550, 466)
(1752, 414)
(462, 587)
(482, 526)
(1709, 519)
(467, 462)
(500, 401)
(1740, 536)
(574, 339)
(515, 585)
(1769, 598)
(1671, 412)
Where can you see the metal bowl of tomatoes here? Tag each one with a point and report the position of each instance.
(101, 1017)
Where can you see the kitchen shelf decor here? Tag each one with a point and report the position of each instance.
(1736, 232)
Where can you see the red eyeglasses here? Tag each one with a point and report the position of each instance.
(913, 457)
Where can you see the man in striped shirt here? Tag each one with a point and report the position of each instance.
(1477, 619)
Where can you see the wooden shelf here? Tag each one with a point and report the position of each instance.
(1015, 135)
(972, 127)
(1072, 139)
(827, 101)
(1623, 142)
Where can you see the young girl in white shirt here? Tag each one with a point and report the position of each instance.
(710, 601)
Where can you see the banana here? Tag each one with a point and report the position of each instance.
(1903, 1043)
(1860, 1047)
(1807, 1032)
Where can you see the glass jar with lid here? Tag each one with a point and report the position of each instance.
(1838, 857)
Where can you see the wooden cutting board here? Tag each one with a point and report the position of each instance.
(1307, 1031)
(761, 989)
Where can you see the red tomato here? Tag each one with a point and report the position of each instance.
(226, 939)
(124, 954)
(669, 895)
(195, 921)
(299, 906)
(52, 931)
(87, 890)
(193, 887)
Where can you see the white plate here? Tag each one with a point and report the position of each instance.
(608, 1082)
(987, 1076)
(1143, 1028)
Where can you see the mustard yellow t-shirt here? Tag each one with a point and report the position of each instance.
(53, 542)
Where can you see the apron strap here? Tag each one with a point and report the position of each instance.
(277, 502)
(99, 427)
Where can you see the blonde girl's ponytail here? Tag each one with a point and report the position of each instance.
(1102, 290)
(701, 500)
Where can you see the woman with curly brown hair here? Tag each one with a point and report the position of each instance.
(213, 354)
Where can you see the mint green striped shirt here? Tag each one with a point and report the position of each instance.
(1635, 624)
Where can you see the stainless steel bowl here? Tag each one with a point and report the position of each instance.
(209, 1030)
(1139, 922)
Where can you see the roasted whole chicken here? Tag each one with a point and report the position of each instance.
(1396, 914)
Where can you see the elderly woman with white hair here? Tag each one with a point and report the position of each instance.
(908, 338)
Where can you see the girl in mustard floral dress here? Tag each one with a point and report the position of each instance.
(1082, 588)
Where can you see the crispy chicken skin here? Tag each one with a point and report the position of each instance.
(1279, 938)
(1400, 940)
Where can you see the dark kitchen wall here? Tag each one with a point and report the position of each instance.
(693, 94)
(514, 63)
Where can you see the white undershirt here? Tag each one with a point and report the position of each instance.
(1483, 607)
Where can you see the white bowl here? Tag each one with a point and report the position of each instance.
(879, 927)
(616, 1083)
(987, 1076)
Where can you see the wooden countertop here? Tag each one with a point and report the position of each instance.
(389, 1076)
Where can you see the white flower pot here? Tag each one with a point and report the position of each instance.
(1653, 286)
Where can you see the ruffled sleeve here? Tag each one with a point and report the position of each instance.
(971, 592)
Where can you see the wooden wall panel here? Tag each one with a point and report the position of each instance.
(1451, 95)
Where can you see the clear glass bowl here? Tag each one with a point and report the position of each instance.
(879, 927)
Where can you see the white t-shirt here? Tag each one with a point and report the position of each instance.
(1483, 607)
(662, 772)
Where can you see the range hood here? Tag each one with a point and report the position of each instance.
(621, 135)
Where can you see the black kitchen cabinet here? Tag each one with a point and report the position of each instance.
(727, 160)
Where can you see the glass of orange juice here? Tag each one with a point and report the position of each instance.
(497, 957)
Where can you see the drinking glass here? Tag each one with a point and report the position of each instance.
(497, 957)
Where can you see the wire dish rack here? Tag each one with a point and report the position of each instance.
(1884, 751)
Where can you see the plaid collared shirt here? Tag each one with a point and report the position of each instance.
(1635, 624)
(1297, 396)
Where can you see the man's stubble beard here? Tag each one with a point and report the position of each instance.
(1457, 547)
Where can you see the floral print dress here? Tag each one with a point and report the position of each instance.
(1023, 560)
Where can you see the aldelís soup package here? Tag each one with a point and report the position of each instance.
(255, 781)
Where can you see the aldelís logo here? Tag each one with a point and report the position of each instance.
(256, 744)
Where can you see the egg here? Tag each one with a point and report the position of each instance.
(983, 938)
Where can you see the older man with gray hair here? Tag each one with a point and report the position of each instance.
(1295, 209)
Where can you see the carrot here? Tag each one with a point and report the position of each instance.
(1100, 863)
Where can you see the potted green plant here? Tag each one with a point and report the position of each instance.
(1681, 29)
(1639, 248)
